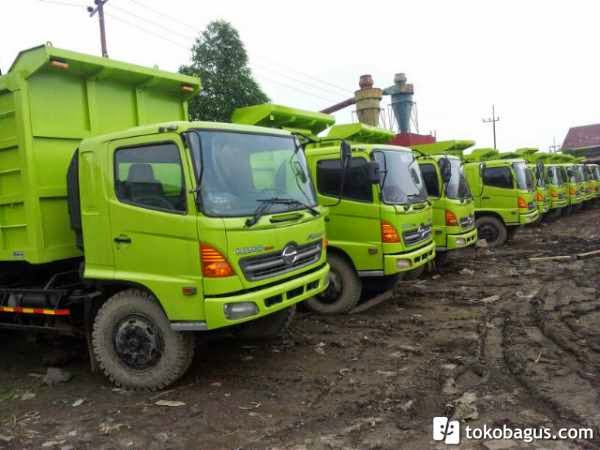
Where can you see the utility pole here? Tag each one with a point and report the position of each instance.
(100, 10)
(554, 148)
(493, 121)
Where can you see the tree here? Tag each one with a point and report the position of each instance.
(220, 60)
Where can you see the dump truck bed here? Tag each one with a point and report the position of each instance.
(50, 100)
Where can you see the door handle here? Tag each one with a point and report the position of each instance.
(123, 240)
(485, 198)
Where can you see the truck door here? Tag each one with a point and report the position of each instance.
(499, 192)
(354, 223)
(152, 215)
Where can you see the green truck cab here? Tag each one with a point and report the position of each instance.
(503, 192)
(594, 175)
(575, 180)
(590, 183)
(536, 168)
(556, 185)
(379, 221)
(127, 225)
(452, 202)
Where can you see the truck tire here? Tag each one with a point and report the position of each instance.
(268, 327)
(134, 344)
(492, 230)
(344, 288)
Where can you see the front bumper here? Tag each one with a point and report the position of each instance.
(416, 258)
(462, 240)
(528, 218)
(559, 203)
(268, 300)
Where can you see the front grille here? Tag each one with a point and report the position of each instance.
(467, 222)
(413, 237)
(274, 264)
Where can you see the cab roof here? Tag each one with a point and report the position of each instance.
(180, 127)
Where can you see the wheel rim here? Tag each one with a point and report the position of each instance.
(333, 291)
(138, 342)
(488, 232)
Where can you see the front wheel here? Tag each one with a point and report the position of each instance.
(343, 292)
(134, 344)
(492, 230)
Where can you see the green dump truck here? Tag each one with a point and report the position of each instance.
(503, 192)
(453, 207)
(154, 227)
(379, 221)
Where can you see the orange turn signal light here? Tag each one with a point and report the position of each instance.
(451, 219)
(214, 264)
(522, 203)
(388, 233)
(59, 64)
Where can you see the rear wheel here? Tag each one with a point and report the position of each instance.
(492, 230)
(343, 292)
(268, 327)
(134, 344)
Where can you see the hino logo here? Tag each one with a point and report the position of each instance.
(289, 254)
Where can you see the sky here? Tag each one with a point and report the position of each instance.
(536, 60)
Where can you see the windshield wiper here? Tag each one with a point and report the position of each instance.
(266, 203)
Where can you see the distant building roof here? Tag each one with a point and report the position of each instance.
(582, 137)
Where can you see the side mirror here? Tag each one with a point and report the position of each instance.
(445, 169)
(373, 172)
(345, 154)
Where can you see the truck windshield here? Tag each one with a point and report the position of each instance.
(237, 172)
(457, 187)
(579, 176)
(555, 176)
(401, 181)
(523, 176)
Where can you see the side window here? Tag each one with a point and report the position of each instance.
(431, 179)
(150, 176)
(498, 177)
(357, 185)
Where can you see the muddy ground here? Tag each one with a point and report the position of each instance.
(492, 338)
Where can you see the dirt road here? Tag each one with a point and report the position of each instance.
(492, 339)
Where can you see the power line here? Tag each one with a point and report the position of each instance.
(153, 22)
(181, 45)
(61, 3)
(162, 14)
(264, 58)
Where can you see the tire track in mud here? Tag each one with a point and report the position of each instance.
(546, 352)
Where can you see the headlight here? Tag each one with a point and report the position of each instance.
(240, 310)
(403, 263)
